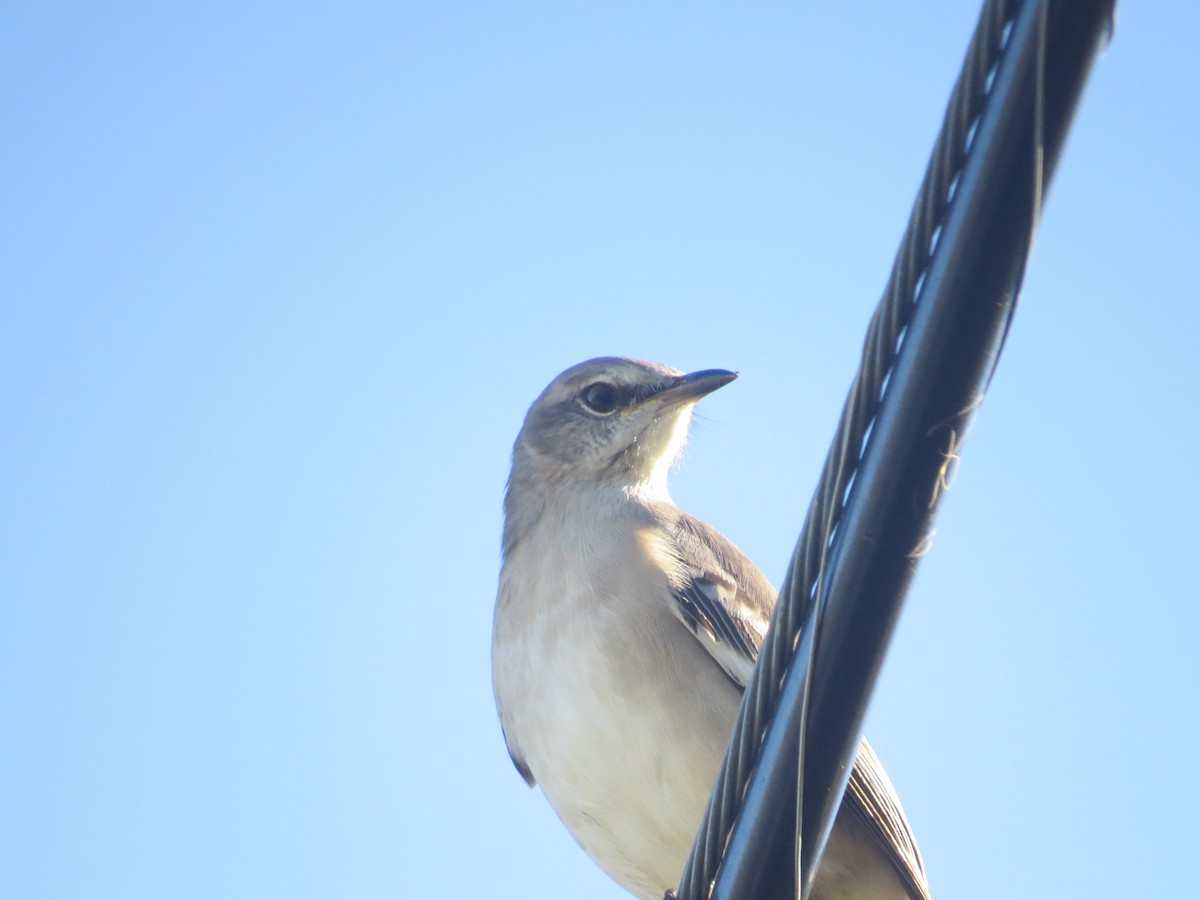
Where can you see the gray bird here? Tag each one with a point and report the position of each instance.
(625, 631)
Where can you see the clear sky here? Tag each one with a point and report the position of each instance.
(279, 282)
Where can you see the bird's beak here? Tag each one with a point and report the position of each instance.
(690, 388)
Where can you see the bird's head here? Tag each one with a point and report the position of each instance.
(611, 420)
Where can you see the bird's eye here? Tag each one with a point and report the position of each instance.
(601, 398)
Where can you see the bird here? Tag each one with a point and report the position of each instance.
(625, 631)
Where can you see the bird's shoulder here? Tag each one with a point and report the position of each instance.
(718, 594)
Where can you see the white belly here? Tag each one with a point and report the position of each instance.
(621, 716)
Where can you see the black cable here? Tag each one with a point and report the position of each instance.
(929, 351)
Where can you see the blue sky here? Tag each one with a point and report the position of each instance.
(279, 283)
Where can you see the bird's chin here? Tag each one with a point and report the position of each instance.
(659, 446)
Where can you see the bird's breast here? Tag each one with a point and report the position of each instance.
(621, 716)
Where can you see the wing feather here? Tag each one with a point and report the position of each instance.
(726, 603)
(874, 801)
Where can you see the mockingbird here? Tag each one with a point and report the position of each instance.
(625, 631)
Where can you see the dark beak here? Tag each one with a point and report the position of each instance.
(692, 387)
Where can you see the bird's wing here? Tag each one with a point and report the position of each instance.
(726, 603)
(873, 800)
(518, 760)
(701, 605)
